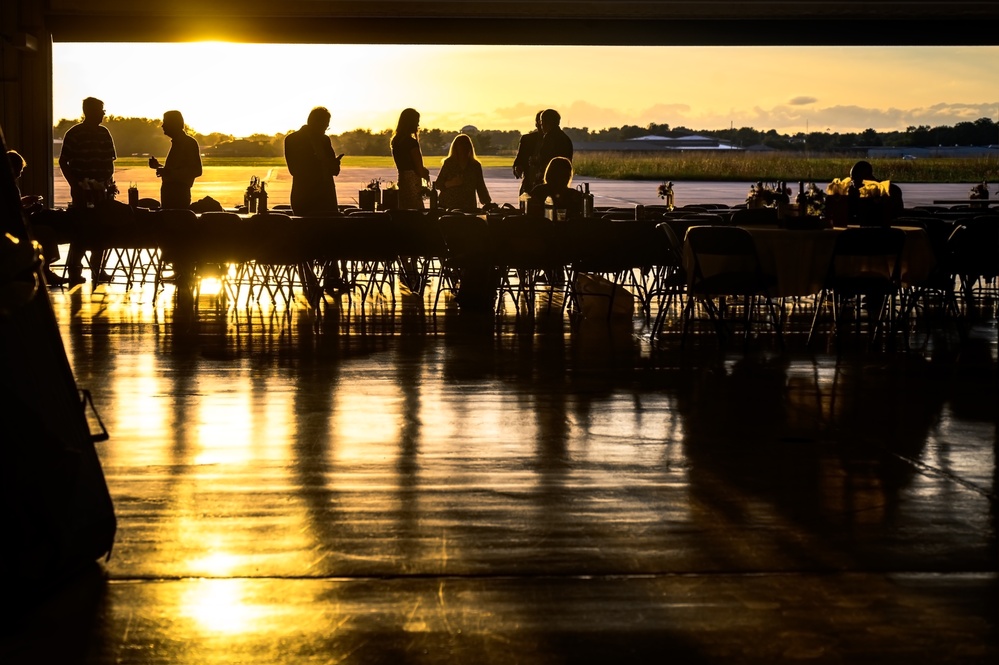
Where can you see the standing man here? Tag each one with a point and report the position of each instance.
(87, 154)
(525, 164)
(313, 164)
(555, 142)
(183, 164)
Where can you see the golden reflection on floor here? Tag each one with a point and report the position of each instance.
(398, 485)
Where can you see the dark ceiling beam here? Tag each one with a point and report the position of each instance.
(505, 31)
(566, 22)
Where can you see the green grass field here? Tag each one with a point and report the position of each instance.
(777, 166)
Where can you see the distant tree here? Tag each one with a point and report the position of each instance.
(869, 137)
(363, 142)
(578, 135)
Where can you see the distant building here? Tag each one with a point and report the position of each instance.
(654, 143)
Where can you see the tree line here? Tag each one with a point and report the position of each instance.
(144, 136)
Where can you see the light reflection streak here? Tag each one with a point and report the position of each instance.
(223, 606)
(224, 428)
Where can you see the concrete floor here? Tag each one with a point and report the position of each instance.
(404, 486)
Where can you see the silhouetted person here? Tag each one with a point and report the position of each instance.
(554, 142)
(460, 177)
(313, 164)
(862, 171)
(409, 160)
(558, 178)
(526, 164)
(87, 154)
(45, 235)
(183, 164)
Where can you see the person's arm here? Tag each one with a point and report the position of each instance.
(417, 158)
(66, 161)
(480, 186)
(522, 160)
(444, 179)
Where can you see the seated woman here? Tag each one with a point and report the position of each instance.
(461, 178)
(557, 185)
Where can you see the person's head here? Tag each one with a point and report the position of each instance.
(862, 171)
(461, 148)
(409, 123)
(16, 162)
(319, 119)
(537, 120)
(559, 172)
(93, 110)
(550, 120)
(173, 123)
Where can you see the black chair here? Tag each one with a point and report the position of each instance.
(865, 267)
(976, 261)
(736, 273)
(670, 281)
(624, 252)
(178, 238)
(939, 287)
(527, 257)
(754, 217)
(466, 268)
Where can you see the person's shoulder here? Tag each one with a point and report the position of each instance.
(541, 190)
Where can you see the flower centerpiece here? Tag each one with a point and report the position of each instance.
(815, 201)
(768, 195)
(870, 202)
(370, 197)
(666, 193)
(97, 191)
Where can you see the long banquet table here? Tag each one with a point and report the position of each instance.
(799, 259)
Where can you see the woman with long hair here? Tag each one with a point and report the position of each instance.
(557, 186)
(460, 178)
(409, 160)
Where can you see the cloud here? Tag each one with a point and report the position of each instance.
(791, 119)
(803, 100)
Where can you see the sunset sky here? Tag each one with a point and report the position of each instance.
(241, 89)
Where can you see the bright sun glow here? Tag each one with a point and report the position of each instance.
(222, 606)
(241, 89)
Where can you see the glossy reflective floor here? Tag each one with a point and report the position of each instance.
(409, 487)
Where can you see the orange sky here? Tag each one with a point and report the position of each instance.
(241, 89)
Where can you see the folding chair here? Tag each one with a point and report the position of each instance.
(726, 265)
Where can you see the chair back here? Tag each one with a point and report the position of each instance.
(725, 262)
(669, 245)
(518, 241)
(754, 217)
(975, 250)
(866, 260)
(177, 231)
(221, 237)
(608, 246)
(465, 237)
